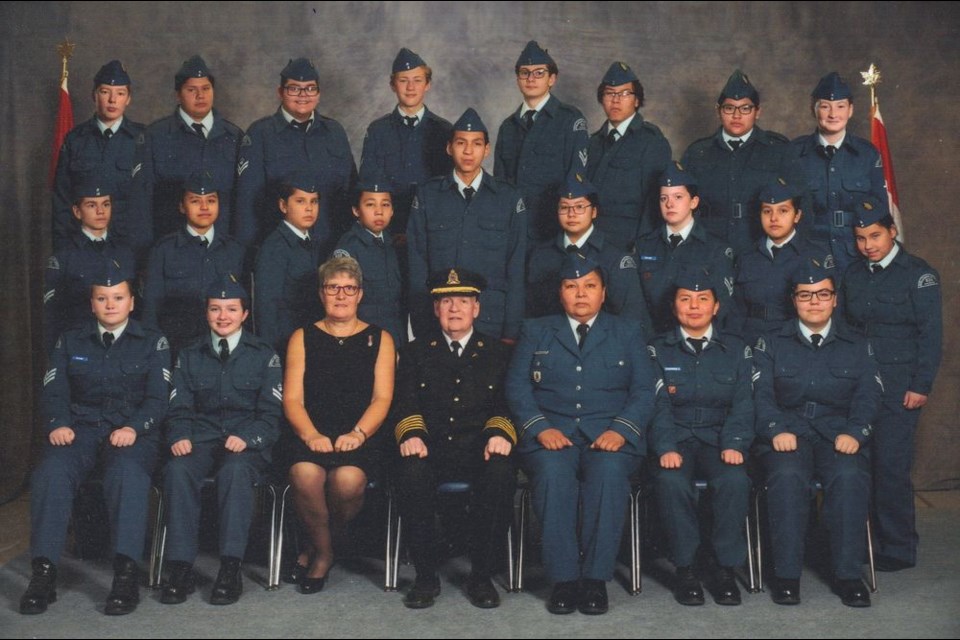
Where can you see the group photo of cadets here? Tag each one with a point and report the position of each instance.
(504, 296)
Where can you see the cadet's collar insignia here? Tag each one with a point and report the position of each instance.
(433, 343)
(815, 263)
(453, 278)
(782, 181)
(623, 66)
(868, 206)
(680, 166)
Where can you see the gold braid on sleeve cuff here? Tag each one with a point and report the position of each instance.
(408, 424)
(502, 424)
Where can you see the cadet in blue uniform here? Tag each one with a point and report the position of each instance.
(102, 148)
(736, 162)
(195, 139)
(542, 142)
(893, 298)
(452, 425)
(577, 211)
(370, 243)
(71, 270)
(295, 138)
(473, 220)
(839, 169)
(626, 157)
(763, 286)
(817, 392)
(408, 145)
(224, 416)
(704, 432)
(583, 389)
(183, 265)
(104, 396)
(285, 277)
(681, 242)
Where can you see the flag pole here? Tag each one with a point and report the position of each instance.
(878, 136)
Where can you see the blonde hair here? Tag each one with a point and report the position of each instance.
(345, 265)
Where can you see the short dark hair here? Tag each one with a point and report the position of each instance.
(79, 199)
(552, 68)
(358, 196)
(426, 70)
(453, 133)
(635, 85)
(286, 189)
(827, 276)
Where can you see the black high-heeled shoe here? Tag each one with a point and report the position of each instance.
(311, 585)
(294, 574)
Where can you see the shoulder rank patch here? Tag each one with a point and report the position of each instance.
(277, 392)
(580, 124)
(521, 207)
(747, 352)
(652, 350)
(167, 375)
(53, 263)
(242, 166)
(828, 262)
(341, 253)
(927, 280)
(627, 262)
(246, 142)
(162, 344)
(136, 167)
(761, 344)
(729, 252)
(274, 362)
(583, 156)
(728, 281)
(659, 386)
(48, 296)
(49, 377)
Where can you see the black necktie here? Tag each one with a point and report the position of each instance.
(735, 144)
(107, 134)
(203, 241)
(198, 128)
(775, 251)
(378, 240)
(827, 151)
(612, 137)
(697, 344)
(410, 121)
(224, 350)
(876, 267)
(815, 340)
(455, 348)
(572, 248)
(303, 126)
(107, 339)
(306, 243)
(582, 329)
(528, 119)
(675, 240)
(468, 193)
(98, 245)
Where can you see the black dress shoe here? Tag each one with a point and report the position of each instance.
(688, 590)
(423, 593)
(724, 587)
(593, 597)
(563, 598)
(125, 592)
(853, 593)
(309, 586)
(229, 584)
(481, 592)
(886, 564)
(785, 591)
(181, 582)
(42, 589)
(294, 574)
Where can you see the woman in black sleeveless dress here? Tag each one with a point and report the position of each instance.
(338, 385)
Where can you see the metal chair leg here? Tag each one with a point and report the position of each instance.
(873, 568)
(156, 544)
(635, 542)
(388, 573)
(756, 521)
(511, 576)
(522, 535)
(273, 555)
(752, 582)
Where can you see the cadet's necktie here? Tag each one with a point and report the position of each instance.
(203, 241)
(198, 128)
(98, 245)
(455, 348)
(582, 330)
(306, 243)
(303, 126)
(107, 339)
(735, 144)
(572, 248)
(378, 240)
(468, 193)
(675, 240)
(612, 137)
(815, 340)
(697, 344)
(827, 151)
(410, 121)
(775, 251)
(876, 267)
(107, 134)
(528, 119)
(224, 350)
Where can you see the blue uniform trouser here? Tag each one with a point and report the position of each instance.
(601, 480)
(235, 476)
(126, 488)
(677, 497)
(790, 489)
(894, 515)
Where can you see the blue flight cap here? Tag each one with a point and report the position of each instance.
(811, 272)
(112, 74)
(577, 265)
(112, 273)
(676, 176)
(577, 186)
(200, 183)
(92, 185)
(832, 87)
(372, 180)
(470, 121)
(406, 60)
(533, 54)
(778, 191)
(303, 180)
(227, 288)
(694, 278)
(739, 87)
(619, 73)
(870, 210)
(301, 70)
(456, 282)
(194, 67)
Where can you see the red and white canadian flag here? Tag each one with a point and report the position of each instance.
(64, 115)
(878, 135)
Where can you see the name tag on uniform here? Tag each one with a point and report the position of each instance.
(654, 258)
(673, 368)
(80, 358)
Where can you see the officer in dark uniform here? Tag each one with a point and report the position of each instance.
(681, 242)
(104, 396)
(762, 292)
(370, 243)
(286, 281)
(101, 148)
(583, 389)
(408, 145)
(542, 142)
(817, 392)
(183, 265)
(840, 170)
(295, 138)
(626, 157)
(704, 432)
(195, 139)
(893, 298)
(71, 270)
(452, 424)
(473, 220)
(736, 162)
(224, 416)
(580, 234)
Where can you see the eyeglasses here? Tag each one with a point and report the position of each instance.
(577, 209)
(335, 289)
(294, 90)
(730, 109)
(613, 95)
(823, 295)
(537, 74)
